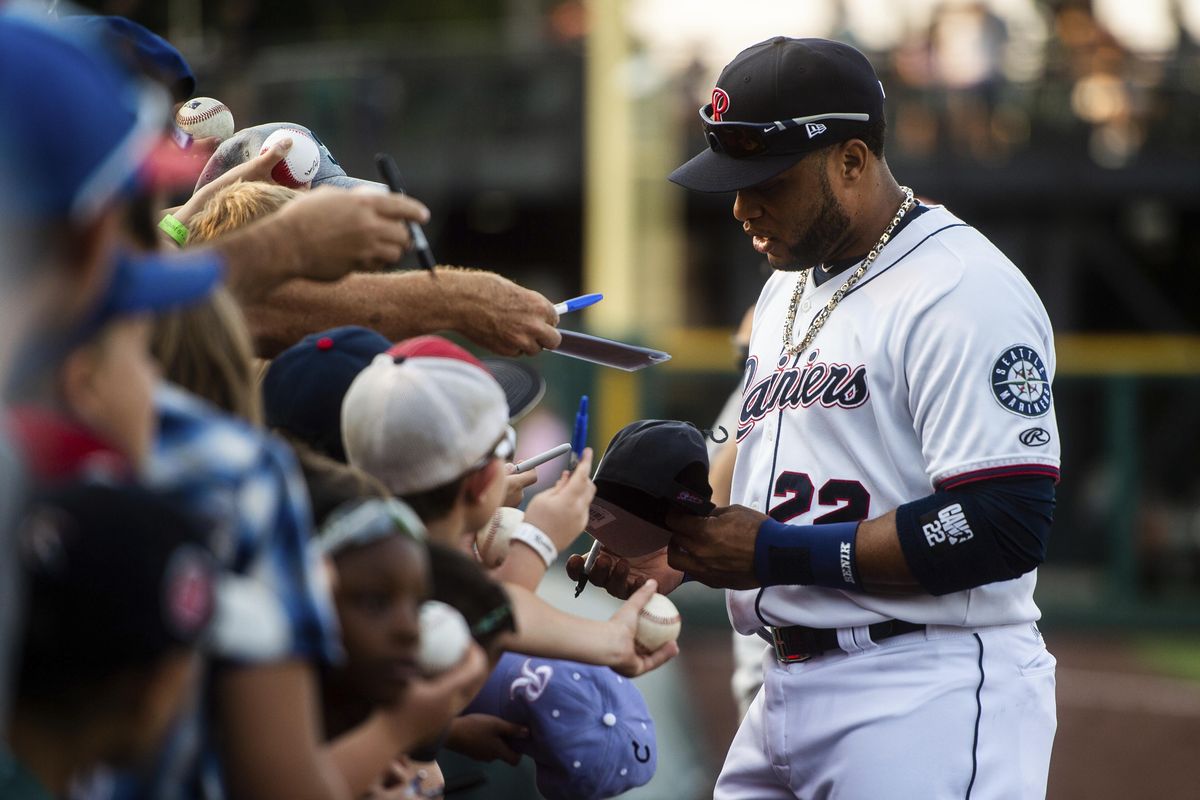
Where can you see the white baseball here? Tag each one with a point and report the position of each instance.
(492, 540)
(658, 623)
(444, 637)
(203, 117)
(299, 166)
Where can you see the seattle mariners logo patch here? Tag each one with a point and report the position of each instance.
(1020, 383)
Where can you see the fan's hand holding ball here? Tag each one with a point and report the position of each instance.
(492, 541)
(298, 168)
(445, 637)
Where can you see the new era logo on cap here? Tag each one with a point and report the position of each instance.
(814, 129)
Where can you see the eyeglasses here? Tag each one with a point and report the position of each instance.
(746, 139)
(504, 449)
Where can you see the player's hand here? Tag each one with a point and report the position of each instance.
(631, 660)
(496, 313)
(482, 737)
(717, 550)
(621, 577)
(561, 512)
(515, 484)
(334, 231)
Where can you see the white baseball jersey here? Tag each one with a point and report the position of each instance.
(934, 371)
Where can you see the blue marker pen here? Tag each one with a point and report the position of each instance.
(579, 437)
(576, 303)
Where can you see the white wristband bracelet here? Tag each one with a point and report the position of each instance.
(541, 543)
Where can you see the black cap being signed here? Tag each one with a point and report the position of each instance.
(650, 467)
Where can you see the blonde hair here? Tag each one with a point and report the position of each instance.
(236, 206)
(206, 349)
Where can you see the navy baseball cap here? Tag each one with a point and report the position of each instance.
(117, 578)
(650, 467)
(590, 732)
(776, 102)
(79, 130)
(303, 388)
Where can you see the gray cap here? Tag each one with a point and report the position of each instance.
(246, 144)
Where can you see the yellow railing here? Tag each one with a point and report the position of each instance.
(709, 350)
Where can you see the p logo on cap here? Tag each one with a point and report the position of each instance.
(720, 103)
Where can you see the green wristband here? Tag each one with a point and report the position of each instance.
(174, 228)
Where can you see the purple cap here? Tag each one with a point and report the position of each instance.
(590, 733)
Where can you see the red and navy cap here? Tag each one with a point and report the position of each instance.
(523, 385)
(117, 577)
(650, 467)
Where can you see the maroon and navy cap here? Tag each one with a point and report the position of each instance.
(805, 94)
(522, 384)
(650, 467)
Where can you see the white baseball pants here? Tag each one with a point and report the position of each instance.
(944, 713)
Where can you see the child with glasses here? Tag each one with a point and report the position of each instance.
(434, 431)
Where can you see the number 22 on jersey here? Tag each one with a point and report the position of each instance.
(851, 499)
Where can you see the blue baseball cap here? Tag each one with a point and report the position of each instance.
(152, 283)
(590, 733)
(152, 53)
(303, 389)
(78, 127)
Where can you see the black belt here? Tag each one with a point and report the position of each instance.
(797, 643)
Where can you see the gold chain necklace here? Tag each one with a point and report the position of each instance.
(789, 323)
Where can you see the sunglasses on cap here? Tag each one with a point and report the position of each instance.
(504, 449)
(747, 139)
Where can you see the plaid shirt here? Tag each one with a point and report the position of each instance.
(247, 484)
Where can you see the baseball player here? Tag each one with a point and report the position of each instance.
(897, 456)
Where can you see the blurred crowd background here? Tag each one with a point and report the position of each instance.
(540, 132)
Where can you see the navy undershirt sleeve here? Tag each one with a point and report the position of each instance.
(975, 534)
(978, 533)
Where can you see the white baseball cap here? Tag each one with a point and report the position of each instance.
(419, 423)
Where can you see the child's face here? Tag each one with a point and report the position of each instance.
(489, 498)
(110, 386)
(379, 591)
